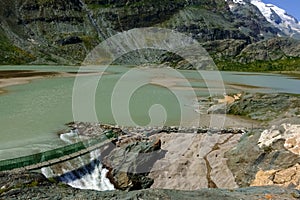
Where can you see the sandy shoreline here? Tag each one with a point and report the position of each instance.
(19, 77)
(17, 81)
(23, 78)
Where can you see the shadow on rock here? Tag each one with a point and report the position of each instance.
(130, 164)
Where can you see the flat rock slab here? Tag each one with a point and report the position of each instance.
(194, 161)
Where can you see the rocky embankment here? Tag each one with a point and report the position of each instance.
(271, 108)
(268, 109)
(179, 163)
(35, 186)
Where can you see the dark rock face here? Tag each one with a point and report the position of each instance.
(276, 18)
(64, 32)
(130, 164)
(69, 40)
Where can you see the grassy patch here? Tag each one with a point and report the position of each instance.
(10, 54)
(98, 6)
(287, 64)
(90, 42)
(4, 190)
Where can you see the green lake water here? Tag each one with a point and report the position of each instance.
(32, 113)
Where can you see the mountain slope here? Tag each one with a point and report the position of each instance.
(279, 18)
(64, 32)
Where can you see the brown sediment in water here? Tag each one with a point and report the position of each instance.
(2, 91)
(15, 81)
(24, 73)
(19, 77)
(244, 86)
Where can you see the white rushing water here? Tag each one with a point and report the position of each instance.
(77, 173)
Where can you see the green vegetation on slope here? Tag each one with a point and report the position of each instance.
(286, 64)
(10, 54)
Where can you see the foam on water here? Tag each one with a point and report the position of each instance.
(80, 175)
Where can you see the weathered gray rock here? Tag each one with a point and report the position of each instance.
(265, 107)
(194, 161)
(130, 164)
(273, 49)
(287, 177)
(246, 159)
(218, 109)
(229, 48)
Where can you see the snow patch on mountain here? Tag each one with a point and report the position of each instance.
(278, 17)
(231, 6)
(239, 1)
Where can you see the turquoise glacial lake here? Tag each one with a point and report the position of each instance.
(33, 113)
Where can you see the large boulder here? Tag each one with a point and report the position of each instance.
(259, 159)
(218, 109)
(130, 164)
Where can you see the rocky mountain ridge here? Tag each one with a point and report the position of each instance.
(64, 32)
(279, 18)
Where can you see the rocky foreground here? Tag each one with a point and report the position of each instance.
(189, 163)
(35, 186)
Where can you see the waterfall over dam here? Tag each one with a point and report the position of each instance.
(84, 172)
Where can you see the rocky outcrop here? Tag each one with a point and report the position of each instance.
(217, 109)
(288, 132)
(9, 182)
(221, 106)
(194, 161)
(225, 161)
(273, 108)
(266, 107)
(254, 163)
(289, 177)
(130, 164)
(22, 187)
(129, 157)
(270, 50)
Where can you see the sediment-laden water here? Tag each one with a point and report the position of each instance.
(32, 113)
